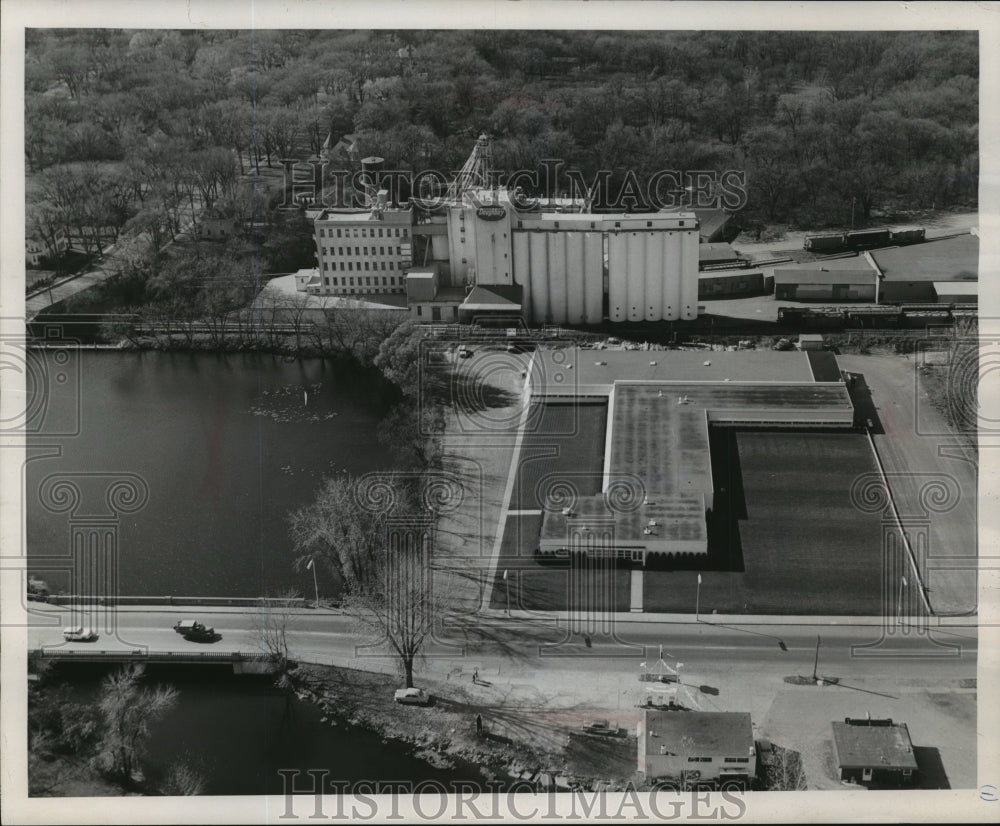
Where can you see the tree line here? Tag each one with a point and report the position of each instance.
(823, 122)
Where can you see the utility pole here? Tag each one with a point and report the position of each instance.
(312, 567)
(816, 661)
(899, 611)
(697, 601)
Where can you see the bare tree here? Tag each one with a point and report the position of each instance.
(183, 780)
(129, 710)
(274, 627)
(377, 535)
(782, 771)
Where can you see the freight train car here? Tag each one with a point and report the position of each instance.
(825, 243)
(863, 239)
(877, 317)
(909, 235)
(866, 239)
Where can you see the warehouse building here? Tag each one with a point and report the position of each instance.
(730, 283)
(848, 278)
(824, 284)
(427, 299)
(657, 454)
(915, 273)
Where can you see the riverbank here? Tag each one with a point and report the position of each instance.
(514, 744)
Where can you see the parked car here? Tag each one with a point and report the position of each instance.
(412, 697)
(464, 352)
(194, 630)
(79, 633)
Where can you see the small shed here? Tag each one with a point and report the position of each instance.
(874, 752)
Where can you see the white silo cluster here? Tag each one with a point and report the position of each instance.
(561, 274)
(653, 273)
(652, 267)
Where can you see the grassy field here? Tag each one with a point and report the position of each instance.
(786, 530)
(566, 447)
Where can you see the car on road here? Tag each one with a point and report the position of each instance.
(79, 633)
(194, 630)
(412, 697)
(464, 352)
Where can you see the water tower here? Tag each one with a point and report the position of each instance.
(370, 169)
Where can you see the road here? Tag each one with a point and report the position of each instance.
(518, 671)
(329, 637)
(114, 255)
(923, 460)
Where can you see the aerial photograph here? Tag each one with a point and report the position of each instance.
(578, 422)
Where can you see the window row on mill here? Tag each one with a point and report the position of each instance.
(365, 232)
(356, 266)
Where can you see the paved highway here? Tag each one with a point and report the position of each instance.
(328, 637)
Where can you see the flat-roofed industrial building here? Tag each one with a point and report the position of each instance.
(913, 273)
(825, 283)
(657, 484)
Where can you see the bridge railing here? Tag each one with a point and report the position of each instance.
(138, 654)
(207, 602)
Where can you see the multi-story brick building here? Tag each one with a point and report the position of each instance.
(363, 252)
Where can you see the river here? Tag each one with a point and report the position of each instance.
(227, 445)
(238, 732)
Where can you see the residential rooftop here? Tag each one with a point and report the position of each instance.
(700, 733)
(882, 744)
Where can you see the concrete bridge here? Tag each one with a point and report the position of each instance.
(242, 663)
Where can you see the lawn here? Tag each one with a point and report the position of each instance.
(785, 529)
(566, 447)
